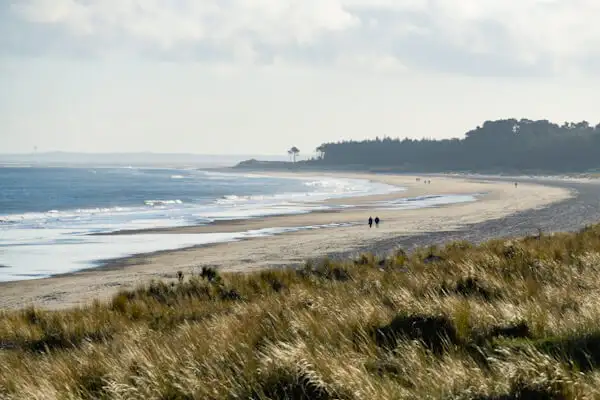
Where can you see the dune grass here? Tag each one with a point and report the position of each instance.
(501, 320)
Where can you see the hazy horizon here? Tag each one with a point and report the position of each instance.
(257, 78)
(34, 153)
(141, 159)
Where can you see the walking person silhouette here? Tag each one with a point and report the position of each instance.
(377, 222)
(370, 222)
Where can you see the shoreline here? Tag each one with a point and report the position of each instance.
(218, 226)
(136, 259)
(292, 248)
(408, 189)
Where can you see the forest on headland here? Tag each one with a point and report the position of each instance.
(501, 146)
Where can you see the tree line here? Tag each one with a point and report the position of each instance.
(503, 145)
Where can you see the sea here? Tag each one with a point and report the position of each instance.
(47, 214)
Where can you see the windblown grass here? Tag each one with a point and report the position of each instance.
(503, 320)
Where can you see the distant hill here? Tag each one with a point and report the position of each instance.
(506, 146)
(266, 164)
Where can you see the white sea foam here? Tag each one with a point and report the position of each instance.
(162, 202)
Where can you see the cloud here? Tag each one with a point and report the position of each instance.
(473, 37)
(169, 23)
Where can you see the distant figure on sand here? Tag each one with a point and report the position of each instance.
(370, 222)
(377, 222)
(516, 184)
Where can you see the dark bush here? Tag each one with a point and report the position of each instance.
(524, 391)
(519, 330)
(230, 294)
(283, 384)
(208, 273)
(432, 258)
(471, 287)
(434, 332)
(582, 352)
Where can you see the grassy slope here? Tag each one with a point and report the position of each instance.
(496, 321)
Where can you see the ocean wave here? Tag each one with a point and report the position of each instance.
(233, 174)
(335, 184)
(320, 189)
(60, 214)
(233, 199)
(233, 206)
(174, 212)
(178, 177)
(15, 165)
(153, 203)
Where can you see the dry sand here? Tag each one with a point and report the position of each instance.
(500, 200)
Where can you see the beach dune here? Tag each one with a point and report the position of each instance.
(494, 200)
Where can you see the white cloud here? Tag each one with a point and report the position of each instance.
(378, 63)
(560, 28)
(169, 23)
(467, 36)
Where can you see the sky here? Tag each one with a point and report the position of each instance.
(260, 76)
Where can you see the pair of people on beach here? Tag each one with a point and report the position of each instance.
(371, 222)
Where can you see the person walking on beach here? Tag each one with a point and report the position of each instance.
(370, 222)
(376, 222)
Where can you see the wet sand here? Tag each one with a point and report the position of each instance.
(499, 200)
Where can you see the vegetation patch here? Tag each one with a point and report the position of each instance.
(513, 319)
(533, 146)
(326, 271)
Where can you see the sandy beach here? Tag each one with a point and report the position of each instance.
(496, 200)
